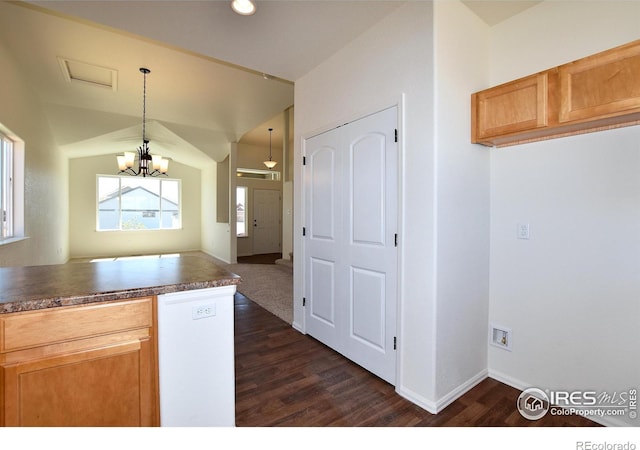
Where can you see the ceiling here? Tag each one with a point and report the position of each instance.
(494, 12)
(216, 77)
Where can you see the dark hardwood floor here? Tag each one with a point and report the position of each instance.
(267, 258)
(284, 378)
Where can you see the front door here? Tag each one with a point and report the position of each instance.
(351, 261)
(266, 221)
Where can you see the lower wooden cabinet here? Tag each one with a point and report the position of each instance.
(92, 365)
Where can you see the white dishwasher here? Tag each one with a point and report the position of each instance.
(196, 358)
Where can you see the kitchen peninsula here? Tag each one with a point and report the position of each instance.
(79, 341)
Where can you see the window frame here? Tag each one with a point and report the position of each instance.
(245, 203)
(119, 209)
(6, 186)
(11, 187)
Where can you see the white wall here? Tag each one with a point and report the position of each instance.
(462, 203)
(557, 32)
(85, 241)
(570, 293)
(45, 190)
(373, 72)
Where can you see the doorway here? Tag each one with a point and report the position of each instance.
(267, 221)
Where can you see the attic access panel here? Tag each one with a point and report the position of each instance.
(77, 71)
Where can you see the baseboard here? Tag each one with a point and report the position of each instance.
(214, 257)
(298, 326)
(461, 390)
(521, 386)
(443, 402)
(417, 399)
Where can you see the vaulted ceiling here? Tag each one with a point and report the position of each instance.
(216, 77)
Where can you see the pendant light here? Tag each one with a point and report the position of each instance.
(148, 165)
(270, 163)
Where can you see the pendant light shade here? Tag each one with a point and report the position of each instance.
(270, 163)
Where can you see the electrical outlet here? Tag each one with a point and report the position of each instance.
(500, 337)
(523, 231)
(202, 311)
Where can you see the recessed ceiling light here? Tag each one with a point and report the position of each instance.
(243, 7)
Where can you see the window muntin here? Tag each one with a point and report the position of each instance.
(132, 203)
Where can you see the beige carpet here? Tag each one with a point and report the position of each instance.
(268, 285)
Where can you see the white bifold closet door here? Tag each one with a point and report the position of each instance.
(351, 258)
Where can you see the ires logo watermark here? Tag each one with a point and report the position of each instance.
(534, 403)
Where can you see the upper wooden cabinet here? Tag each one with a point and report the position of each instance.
(598, 92)
(602, 85)
(514, 107)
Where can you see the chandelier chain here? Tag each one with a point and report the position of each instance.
(144, 106)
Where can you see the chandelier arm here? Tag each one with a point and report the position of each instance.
(129, 171)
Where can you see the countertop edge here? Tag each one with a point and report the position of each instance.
(55, 302)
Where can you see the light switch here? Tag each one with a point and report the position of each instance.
(523, 231)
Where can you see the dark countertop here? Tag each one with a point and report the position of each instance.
(40, 287)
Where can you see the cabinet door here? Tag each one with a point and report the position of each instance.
(602, 85)
(513, 107)
(107, 386)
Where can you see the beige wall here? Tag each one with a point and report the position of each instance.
(288, 186)
(216, 239)
(45, 187)
(252, 157)
(85, 241)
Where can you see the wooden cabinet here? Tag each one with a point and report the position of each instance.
(514, 107)
(601, 86)
(91, 365)
(598, 92)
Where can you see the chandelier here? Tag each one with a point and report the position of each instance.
(270, 163)
(148, 165)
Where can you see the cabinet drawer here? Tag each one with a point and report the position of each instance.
(36, 328)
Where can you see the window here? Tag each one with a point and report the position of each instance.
(131, 203)
(6, 187)
(258, 174)
(241, 209)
